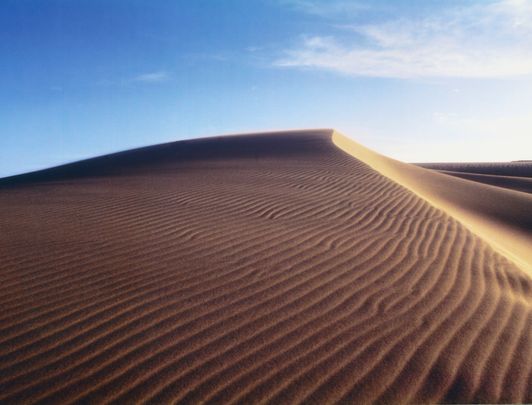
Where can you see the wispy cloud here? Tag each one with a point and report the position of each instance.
(487, 39)
(152, 77)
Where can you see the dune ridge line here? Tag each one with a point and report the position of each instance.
(476, 206)
(267, 268)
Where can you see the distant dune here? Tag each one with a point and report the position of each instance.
(520, 168)
(282, 267)
(513, 175)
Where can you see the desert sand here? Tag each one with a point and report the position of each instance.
(513, 175)
(266, 268)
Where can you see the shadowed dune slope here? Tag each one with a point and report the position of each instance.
(262, 268)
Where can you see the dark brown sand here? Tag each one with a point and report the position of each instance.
(263, 268)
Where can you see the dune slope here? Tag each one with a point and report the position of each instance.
(262, 268)
(516, 183)
(500, 216)
(520, 168)
(512, 175)
(523, 184)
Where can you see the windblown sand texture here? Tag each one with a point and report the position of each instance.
(262, 268)
(513, 175)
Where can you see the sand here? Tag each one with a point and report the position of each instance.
(512, 182)
(282, 268)
(498, 215)
(519, 168)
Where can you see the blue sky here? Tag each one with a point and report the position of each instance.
(417, 80)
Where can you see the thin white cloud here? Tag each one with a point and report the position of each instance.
(152, 77)
(485, 40)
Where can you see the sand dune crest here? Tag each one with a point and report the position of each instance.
(267, 268)
(501, 217)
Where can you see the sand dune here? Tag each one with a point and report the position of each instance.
(516, 183)
(500, 216)
(513, 175)
(262, 268)
(522, 168)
